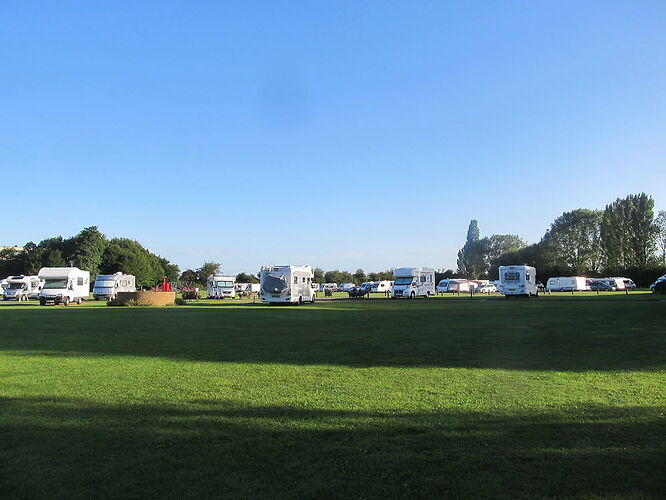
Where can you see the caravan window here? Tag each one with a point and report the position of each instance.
(512, 276)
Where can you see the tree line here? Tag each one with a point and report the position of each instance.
(624, 239)
(91, 251)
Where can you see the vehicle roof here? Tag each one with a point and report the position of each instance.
(61, 272)
(408, 271)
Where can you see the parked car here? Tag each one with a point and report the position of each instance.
(486, 288)
(357, 291)
(661, 279)
(601, 286)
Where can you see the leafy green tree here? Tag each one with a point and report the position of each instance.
(207, 269)
(246, 278)
(189, 277)
(574, 241)
(660, 223)
(360, 276)
(628, 232)
(471, 256)
(319, 275)
(87, 250)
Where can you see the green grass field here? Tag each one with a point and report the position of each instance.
(556, 397)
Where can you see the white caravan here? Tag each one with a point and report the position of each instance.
(287, 284)
(22, 288)
(381, 286)
(614, 283)
(459, 286)
(568, 284)
(413, 282)
(518, 281)
(63, 285)
(221, 287)
(107, 286)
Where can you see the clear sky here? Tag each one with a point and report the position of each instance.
(339, 134)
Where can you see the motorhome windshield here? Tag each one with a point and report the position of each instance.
(55, 284)
(224, 284)
(275, 283)
(403, 281)
(104, 284)
(16, 286)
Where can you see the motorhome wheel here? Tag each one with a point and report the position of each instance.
(42, 302)
(65, 301)
(300, 300)
(78, 301)
(412, 295)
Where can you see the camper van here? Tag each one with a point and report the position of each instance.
(413, 282)
(221, 287)
(616, 283)
(107, 286)
(287, 284)
(22, 288)
(568, 284)
(443, 286)
(518, 281)
(381, 286)
(63, 285)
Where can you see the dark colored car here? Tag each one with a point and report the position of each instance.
(356, 292)
(598, 286)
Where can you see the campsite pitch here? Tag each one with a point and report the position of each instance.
(558, 397)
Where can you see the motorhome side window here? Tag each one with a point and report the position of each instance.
(295, 280)
(79, 281)
(423, 279)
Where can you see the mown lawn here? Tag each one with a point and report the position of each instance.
(556, 397)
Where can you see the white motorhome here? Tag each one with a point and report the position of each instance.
(4, 283)
(381, 286)
(287, 284)
(221, 287)
(22, 288)
(107, 286)
(413, 282)
(63, 285)
(568, 284)
(518, 281)
(443, 285)
(614, 283)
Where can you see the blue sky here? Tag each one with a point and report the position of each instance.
(338, 134)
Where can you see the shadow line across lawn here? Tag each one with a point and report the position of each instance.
(562, 335)
(69, 448)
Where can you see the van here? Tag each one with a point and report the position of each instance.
(443, 286)
(64, 285)
(22, 288)
(221, 287)
(107, 286)
(518, 281)
(411, 282)
(287, 284)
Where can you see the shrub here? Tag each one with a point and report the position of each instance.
(191, 295)
(181, 301)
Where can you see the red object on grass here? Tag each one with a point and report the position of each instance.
(165, 286)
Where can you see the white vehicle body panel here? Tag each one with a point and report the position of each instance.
(568, 284)
(518, 280)
(107, 286)
(64, 284)
(413, 282)
(22, 288)
(459, 286)
(443, 285)
(221, 287)
(286, 284)
(382, 286)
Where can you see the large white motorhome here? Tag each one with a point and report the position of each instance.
(518, 281)
(63, 285)
(107, 286)
(568, 284)
(221, 287)
(287, 284)
(381, 286)
(22, 288)
(413, 282)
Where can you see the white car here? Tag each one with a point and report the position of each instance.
(486, 288)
